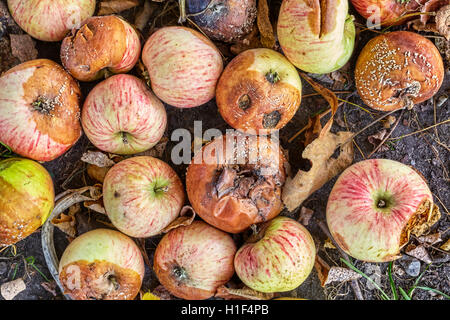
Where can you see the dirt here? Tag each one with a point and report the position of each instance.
(420, 150)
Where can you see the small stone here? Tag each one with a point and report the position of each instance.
(411, 266)
(441, 100)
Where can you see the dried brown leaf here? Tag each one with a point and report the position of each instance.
(264, 25)
(446, 246)
(431, 238)
(97, 173)
(377, 138)
(96, 205)
(328, 244)
(97, 158)
(187, 216)
(431, 6)
(115, 6)
(67, 222)
(322, 269)
(244, 293)
(418, 252)
(23, 47)
(143, 16)
(305, 216)
(12, 288)
(50, 287)
(443, 22)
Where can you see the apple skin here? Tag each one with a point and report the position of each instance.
(26, 198)
(39, 110)
(270, 85)
(184, 66)
(103, 44)
(102, 264)
(142, 196)
(121, 115)
(193, 261)
(316, 40)
(50, 20)
(397, 70)
(278, 258)
(359, 226)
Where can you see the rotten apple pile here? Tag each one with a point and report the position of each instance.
(373, 207)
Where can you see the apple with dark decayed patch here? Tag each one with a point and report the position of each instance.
(39, 110)
(26, 198)
(397, 70)
(278, 258)
(102, 264)
(259, 90)
(373, 207)
(122, 116)
(142, 196)
(103, 44)
(193, 261)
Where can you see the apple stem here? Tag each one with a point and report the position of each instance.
(381, 204)
(183, 15)
(124, 137)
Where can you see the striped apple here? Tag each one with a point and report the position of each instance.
(102, 264)
(184, 66)
(374, 205)
(50, 20)
(121, 115)
(142, 196)
(278, 258)
(39, 110)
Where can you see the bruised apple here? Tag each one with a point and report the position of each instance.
(39, 110)
(102, 264)
(397, 70)
(373, 207)
(235, 181)
(121, 115)
(193, 261)
(278, 258)
(184, 66)
(142, 196)
(26, 198)
(50, 20)
(317, 36)
(260, 90)
(103, 44)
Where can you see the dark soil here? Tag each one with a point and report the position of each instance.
(420, 150)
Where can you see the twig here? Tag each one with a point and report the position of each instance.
(387, 136)
(419, 131)
(354, 283)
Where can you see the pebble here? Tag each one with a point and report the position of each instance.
(411, 266)
(441, 100)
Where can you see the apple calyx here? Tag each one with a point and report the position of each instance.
(179, 273)
(44, 105)
(272, 76)
(245, 102)
(271, 120)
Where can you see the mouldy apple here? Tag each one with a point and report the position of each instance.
(260, 90)
(121, 115)
(39, 110)
(102, 264)
(26, 198)
(193, 261)
(278, 258)
(103, 44)
(142, 196)
(373, 206)
(397, 70)
(50, 20)
(233, 192)
(317, 36)
(223, 20)
(183, 65)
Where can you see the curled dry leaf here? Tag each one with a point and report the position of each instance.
(443, 22)
(334, 274)
(431, 6)
(115, 6)
(143, 16)
(305, 216)
(446, 246)
(50, 287)
(244, 293)
(187, 215)
(264, 25)
(376, 139)
(431, 238)
(328, 244)
(97, 158)
(67, 222)
(97, 173)
(23, 47)
(390, 120)
(418, 252)
(95, 205)
(12, 288)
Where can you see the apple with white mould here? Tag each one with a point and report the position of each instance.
(50, 20)
(184, 66)
(373, 207)
(39, 110)
(277, 258)
(103, 44)
(121, 115)
(260, 90)
(317, 36)
(193, 261)
(102, 264)
(142, 196)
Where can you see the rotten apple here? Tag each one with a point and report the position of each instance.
(102, 264)
(184, 66)
(26, 198)
(260, 90)
(278, 258)
(39, 110)
(142, 196)
(373, 207)
(235, 181)
(317, 36)
(121, 115)
(50, 20)
(103, 44)
(193, 261)
(397, 70)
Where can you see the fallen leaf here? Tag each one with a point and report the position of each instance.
(97, 173)
(328, 244)
(143, 16)
(67, 222)
(390, 120)
(431, 238)
(244, 293)
(339, 274)
(95, 205)
(376, 139)
(187, 215)
(97, 158)
(431, 6)
(50, 287)
(418, 252)
(443, 22)
(322, 269)
(115, 6)
(446, 246)
(23, 47)
(305, 215)
(12, 288)
(264, 25)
